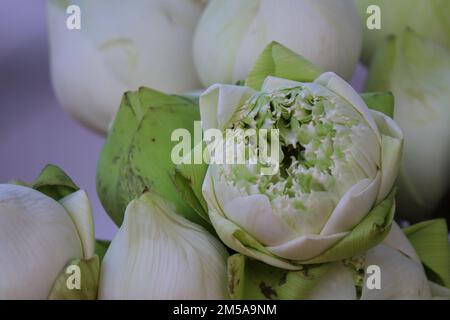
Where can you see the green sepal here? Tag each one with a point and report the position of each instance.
(55, 183)
(367, 234)
(101, 246)
(65, 287)
(430, 240)
(380, 101)
(279, 61)
(250, 279)
(137, 154)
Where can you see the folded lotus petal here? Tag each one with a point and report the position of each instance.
(353, 206)
(146, 43)
(220, 102)
(336, 284)
(78, 206)
(37, 239)
(158, 254)
(306, 247)
(338, 85)
(391, 152)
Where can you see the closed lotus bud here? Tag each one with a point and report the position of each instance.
(158, 254)
(422, 110)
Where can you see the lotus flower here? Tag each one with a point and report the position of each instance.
(157, 254)
(417, 71)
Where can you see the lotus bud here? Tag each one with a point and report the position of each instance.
(157, 254)
(391, 270)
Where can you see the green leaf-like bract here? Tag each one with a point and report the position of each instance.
(54, 182)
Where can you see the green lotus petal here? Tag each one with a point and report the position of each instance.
(189, 178)
(278, 61)
(430, 239)
(367, 234)
(65, 287)
(54, 182)
(137, 153)
(380, 101)
(101, 246)
(251, 279)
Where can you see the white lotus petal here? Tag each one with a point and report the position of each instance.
(342, 88)
(219, 103)
(158, 254)
(396, 239)
(438, 291)
(353, 206)
(391, 152)
(231, 34)
(401, 277)
(79, 208)
(37, 239)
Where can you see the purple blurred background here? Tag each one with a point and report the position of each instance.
(34, 130)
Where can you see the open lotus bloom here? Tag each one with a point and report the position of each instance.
(119, 46)
(390, 270)
(338, 161)
(422, 110)
(158, 254)
(39, 237)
